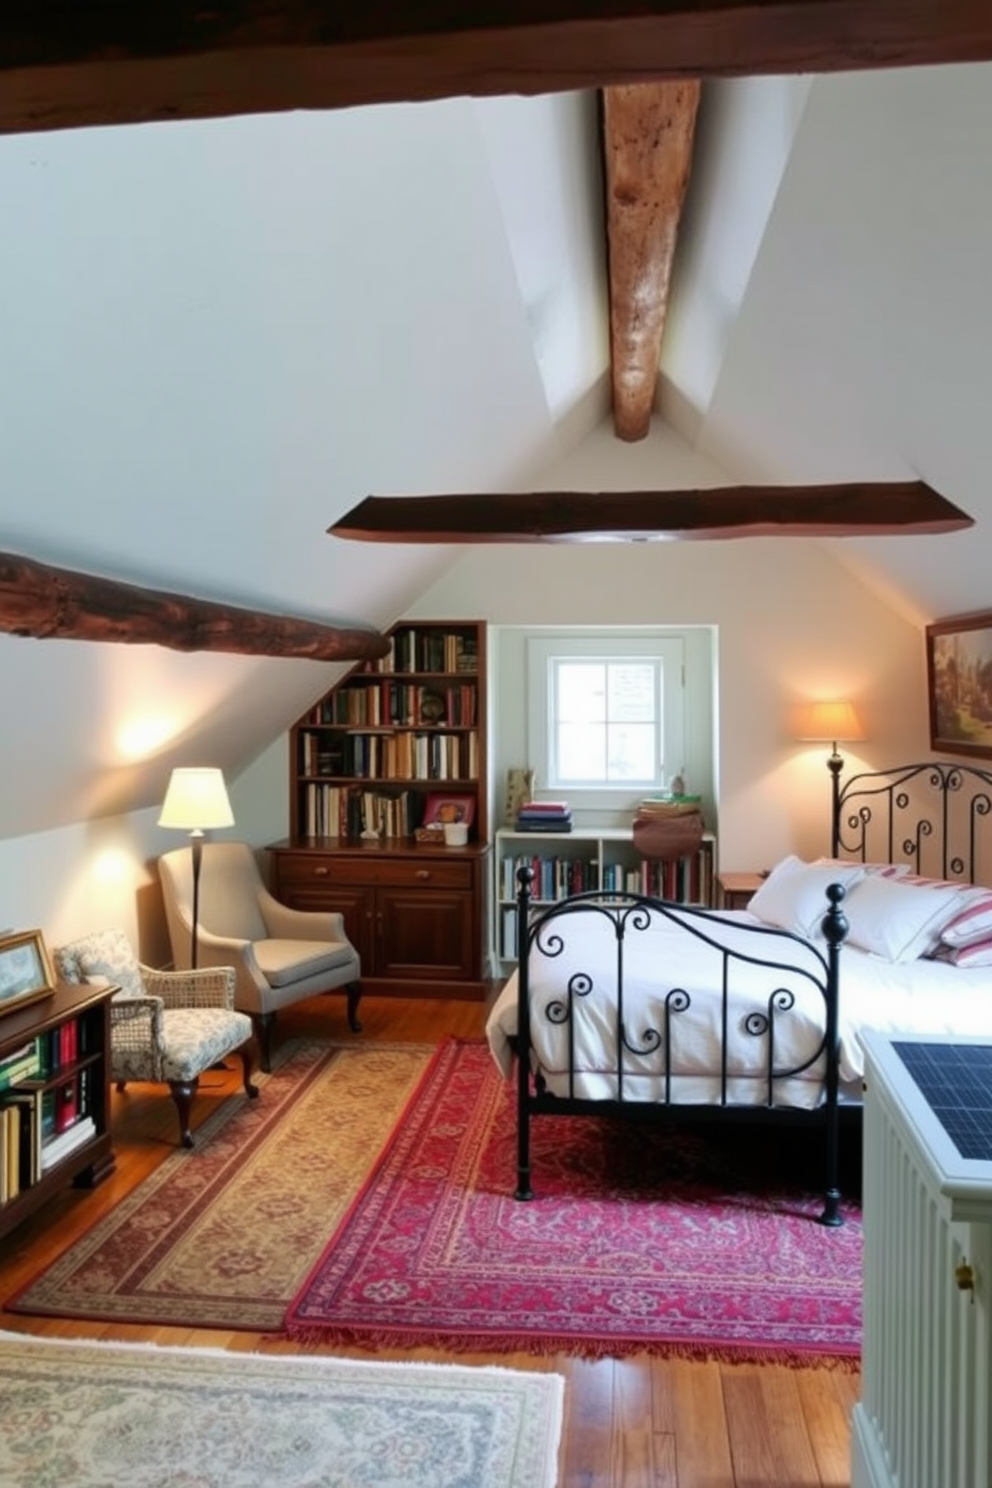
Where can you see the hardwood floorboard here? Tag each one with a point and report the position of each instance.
(640, 1422)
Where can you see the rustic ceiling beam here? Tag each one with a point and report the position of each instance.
(43, 602)
(648, 130)
(594, 516)
(64, 65)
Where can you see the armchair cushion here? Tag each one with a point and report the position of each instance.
(283, 962)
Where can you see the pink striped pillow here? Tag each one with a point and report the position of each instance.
(973, 924)
(978, 954)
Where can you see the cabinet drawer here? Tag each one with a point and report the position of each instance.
(299, 870)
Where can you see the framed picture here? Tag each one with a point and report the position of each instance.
(441, 808)
(25, 969)
(959, 682)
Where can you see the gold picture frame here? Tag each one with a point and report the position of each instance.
(959, 678)
(26, 972)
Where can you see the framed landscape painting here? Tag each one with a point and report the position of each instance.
(959, 680)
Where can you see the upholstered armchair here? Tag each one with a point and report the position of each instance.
(280, 955)
(165, 1026)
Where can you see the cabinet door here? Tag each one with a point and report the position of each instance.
(425, 933)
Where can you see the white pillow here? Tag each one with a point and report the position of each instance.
(896, 920)
(794, 895)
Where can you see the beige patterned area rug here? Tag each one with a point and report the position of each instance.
(222, 1235)
(90, 1414)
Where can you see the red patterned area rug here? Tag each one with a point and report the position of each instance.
(639, 1239)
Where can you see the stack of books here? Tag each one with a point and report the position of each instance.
(544, 816)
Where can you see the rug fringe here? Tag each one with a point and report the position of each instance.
(373, 1340)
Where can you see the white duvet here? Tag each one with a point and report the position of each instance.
(922, 996)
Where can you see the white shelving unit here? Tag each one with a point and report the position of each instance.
(587, 858)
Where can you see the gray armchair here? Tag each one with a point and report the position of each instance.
(280, 955)
(165, 1026)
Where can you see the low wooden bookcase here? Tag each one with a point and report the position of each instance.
(79, 1081)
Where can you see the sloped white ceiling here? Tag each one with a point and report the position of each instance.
(216, 337)
(861, 346)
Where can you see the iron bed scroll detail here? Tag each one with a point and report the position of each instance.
(646, 1050)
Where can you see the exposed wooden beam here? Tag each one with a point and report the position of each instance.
(65, 63)
(43, 602)
(648, 130)
(590, 516)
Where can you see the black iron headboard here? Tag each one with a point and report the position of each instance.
(930, 815)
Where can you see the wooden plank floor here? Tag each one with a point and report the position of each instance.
(641, 1422)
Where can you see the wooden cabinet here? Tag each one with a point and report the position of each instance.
(62, 1129)
(413, 913)
(735, 890)
(395, 746)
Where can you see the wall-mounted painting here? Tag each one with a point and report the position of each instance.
(959, 678)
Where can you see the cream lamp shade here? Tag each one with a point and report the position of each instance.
(829, 723)
(196, 800)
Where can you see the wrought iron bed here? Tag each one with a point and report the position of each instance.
(929, 816)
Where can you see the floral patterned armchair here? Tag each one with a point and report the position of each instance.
(166, 1026)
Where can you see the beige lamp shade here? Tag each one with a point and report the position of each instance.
(196, 800)
(829, 723)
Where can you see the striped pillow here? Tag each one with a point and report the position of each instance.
(973, 924)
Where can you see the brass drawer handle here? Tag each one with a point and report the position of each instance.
(320, 872)
(422, 873)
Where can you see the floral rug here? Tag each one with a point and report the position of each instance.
(640, 1238)
(222, 1235)
(89, 1414)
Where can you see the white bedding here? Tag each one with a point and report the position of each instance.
(921, 996)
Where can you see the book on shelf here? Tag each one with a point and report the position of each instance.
(29, 1103)
(67, 1141)
(545, 823)
(23, 1064)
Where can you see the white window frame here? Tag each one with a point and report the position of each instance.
(543, 650)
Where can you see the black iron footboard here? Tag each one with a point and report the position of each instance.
(790, 962)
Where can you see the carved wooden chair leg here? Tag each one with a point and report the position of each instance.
(354, 992)
(183, 1092)
(247, 1053)
(264, 1023)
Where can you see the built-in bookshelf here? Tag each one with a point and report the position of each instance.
(54, 1097)
(367, 757)
(589, 859)
(396, 748)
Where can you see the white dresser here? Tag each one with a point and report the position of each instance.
(923, 1417)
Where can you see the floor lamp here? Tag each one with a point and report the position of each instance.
(195, 801)
(833, 723)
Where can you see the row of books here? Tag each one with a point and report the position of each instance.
(403, 704)
(39, 1127)
(686, 880)
(348, 811)
(411, 756)
(415, 650)
(42, 1055)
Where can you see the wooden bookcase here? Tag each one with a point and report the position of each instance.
(393, 741)
(78, 1079)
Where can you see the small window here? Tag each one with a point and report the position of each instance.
(605, 714)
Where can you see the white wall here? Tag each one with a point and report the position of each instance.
(792, 625)
(101, 873)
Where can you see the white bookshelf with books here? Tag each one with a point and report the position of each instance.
(583, 859)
